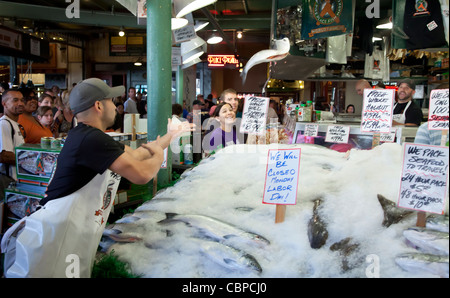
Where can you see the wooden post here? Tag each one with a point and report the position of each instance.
(280, 213)
(155, 185)
(376, 140)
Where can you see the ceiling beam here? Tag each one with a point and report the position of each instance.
(55, 14)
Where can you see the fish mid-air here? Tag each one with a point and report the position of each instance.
(278, 52)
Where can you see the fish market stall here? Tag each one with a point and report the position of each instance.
(345, 223)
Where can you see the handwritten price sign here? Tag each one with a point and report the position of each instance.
(283, 167)
(424, 178)
(439, 110)
(337, 134)
(254, 115)
(377, 110)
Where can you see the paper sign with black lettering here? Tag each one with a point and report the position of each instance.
(311, 130)
(424, 178)
(254, 115)
(377, 110)
(337, 134)
(439, 109)
(282, 173)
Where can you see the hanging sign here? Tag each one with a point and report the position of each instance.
(377, 110)
(337, 134)
(183, 34)
(223, 61)
(439, 110)
(325, 18)
(282, 173)
(254, 115)
(423, 183)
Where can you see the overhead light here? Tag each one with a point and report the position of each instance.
(385, 26)
(138, 62)
(121, 32)
(183, 7)
(376, 39)
(199, 25)
(192, 44)
(214, 39)
(192, 55)
(189, 64)
(239, 34)
(178, 23)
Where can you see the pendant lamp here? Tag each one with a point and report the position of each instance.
(183, 7)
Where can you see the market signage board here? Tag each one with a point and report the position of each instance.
(223, 61)
(337, 134)
(282, 173)
(423, 183)
(254, 115)
(377, 110)
(183, 34)
(439, 110)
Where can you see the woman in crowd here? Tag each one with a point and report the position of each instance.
(44, 115)
(34, 131)
(227, 133)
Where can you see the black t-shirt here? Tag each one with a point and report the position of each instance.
(413, 114)
(88, 151)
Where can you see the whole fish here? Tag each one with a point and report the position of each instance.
(412, 262)
(438, 223)
(229, 257)
(317, 229)
(346, 248)
(278, 52)
(392, 214)
(217, 230)
(428, 241)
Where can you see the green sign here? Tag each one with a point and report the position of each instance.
(324, 18)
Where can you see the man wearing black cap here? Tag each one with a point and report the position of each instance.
(61, 238)
(406, 112)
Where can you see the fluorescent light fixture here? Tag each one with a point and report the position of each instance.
(376, 39)
(138, 63)
(214, 39)
(178, 23)
(385, 26)
(192, 55)
(192, 44)
(183, 7)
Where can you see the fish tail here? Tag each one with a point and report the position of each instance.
(169, 217)
(243, 76)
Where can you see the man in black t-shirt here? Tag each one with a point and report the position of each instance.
(406, 112)
(80, 194)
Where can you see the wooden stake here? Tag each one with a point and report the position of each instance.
(421, 219)
(155, 185)
(280, 213)
(376, 140)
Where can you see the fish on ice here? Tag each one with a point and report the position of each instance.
(278, 52)
(215, 229)
(229, 257)
(317, 230)
(392, 214)
(428, 241)
(414, 262)
(438, 223)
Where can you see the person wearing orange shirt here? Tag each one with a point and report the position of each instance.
(34, 130)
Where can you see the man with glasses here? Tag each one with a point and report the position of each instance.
(11, 136)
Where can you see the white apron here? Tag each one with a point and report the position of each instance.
(61, 238)
(401, 118)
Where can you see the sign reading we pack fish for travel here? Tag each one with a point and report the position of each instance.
(424, 178)
(439, 110)
(254, 115)
(282, 173)
(377, 110)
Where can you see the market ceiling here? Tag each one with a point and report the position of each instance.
(99, 16)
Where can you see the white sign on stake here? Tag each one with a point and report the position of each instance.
(254, 115)
(424, 178)
(282, 173)
(377, 110)
(311, 130)
(337, 134)
(439, 110)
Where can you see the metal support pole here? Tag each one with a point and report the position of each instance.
(159, 75)
(180, 84)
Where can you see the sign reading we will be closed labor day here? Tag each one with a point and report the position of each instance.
(283, 167)
(424, 178)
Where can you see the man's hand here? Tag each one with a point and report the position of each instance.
(155, 149)
(177, 129)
